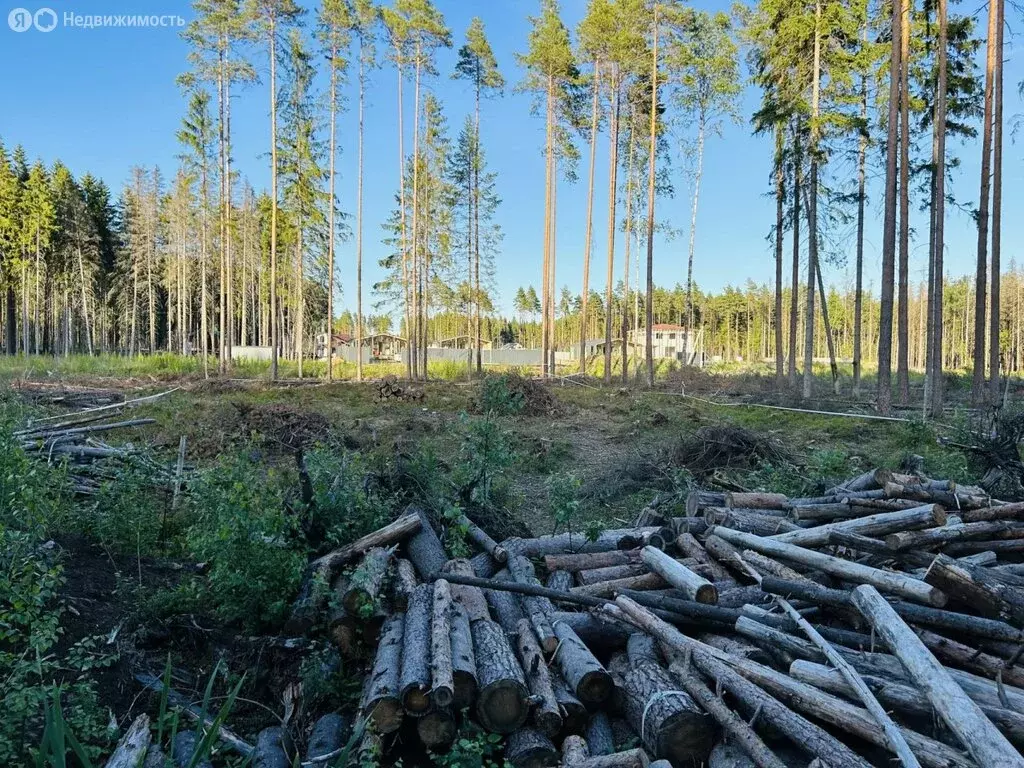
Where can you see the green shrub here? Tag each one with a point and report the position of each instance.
(485, 452)
(499, 397)
(242, 529)
(346, 506)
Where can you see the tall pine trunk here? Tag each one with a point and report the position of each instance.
(794, 296)
(330, 215)
(701, 124)
(419, 368)
(359, 220)
(812, 210)
(275, 320)
(613, 176)
(780, 210)
(650, 205)
(997, 205)
(903, 316)
(626, 255)
(858, 297)
(549, 167)
(588, 236)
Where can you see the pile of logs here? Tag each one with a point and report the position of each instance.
(881, 623)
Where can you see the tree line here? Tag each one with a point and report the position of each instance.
(201, 260)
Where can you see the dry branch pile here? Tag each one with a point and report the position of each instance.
(881, 623)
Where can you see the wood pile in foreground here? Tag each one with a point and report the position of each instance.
(879, 624)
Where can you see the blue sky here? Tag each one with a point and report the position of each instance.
(103, 100)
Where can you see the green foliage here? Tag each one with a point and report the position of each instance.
(473, 748)
(242, 529)
(499, 398)
(484, 454)
(127, 514)
(563, 500)
(346, 506)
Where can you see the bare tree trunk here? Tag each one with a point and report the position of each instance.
(221, 303)
(275, 327)
(549, 167)
(794, 298)
(650, 204)
(613, 170)
(812, 211)
(476, 296)
(903, 317)
(588, 237)
(884, 397)
(330, 216)
(625, 270)
(997, 205)
(359, 220)
(229, 272)
(980, 280)
(693, 223)
(935, 348)
(410, 350)
(780, 202)
(858, 297)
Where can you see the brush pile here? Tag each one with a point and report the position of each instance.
(881, 623)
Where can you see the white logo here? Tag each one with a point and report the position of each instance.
(20, 20)
(45, 19)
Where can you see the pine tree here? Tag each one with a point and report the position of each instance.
(477, 64)
(38, 217)
(9, 229)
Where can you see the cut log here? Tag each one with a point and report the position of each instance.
(506, 607)
(131, 749)
(641, 648)
(735, 727)
(734, 647)
(695, 525)
(1013, 511)
(463, 659)
(709, 615)
(964, 656)
(694, 587)
(611, 588)
(471, 598)
(502, 698)
(573, 542)
(574, 750)
(442, 682)
(631, 758)
(366, 583)
(424, 548)
(484, 565)
(762, 525)
(574, 714)
(970, 587)
(963, 717)
(740, 596)
(529, 748)
(271, 749)
(560, 580)
(875, 478)
(729, 556)
(546, 715)
(586, 561)
(610, 573)
(437, 729)
(670, 724)
(403, 583)
(933, 537)
(689, 546)
(328, 736)
(479, 537)
(537, 608)
(804, 734)
(600, 739)
(383, 703)
(726, 755)
(757, 500)
(888, 581)
(414, 682)
(768, 567)
(925, 516)
(599, 634)
(582, 671)
(818, 513)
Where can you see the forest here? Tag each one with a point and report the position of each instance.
(199, 259)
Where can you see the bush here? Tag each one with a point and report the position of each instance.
(242, 529)
(499, 397)
(346, 506)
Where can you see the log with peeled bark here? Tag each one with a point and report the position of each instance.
(586, 561)
(679, 576)
(689, 546)
(479, 536)
(762, 525)
(573, 542)
(546, 715)
(131, 749)
(502, 702)
(710, 662)
(424, 548)
(756, 500)
(403, 582)
(560, 580)
(610, 573)
(969, 585)
(442, 682)
(599, 736)
(734, 726)
(323, 569)
(899, 696)
(963, 717)
(611, 588)
(600, 635)
(529, 748)
(934, 537)
(470, 598)
(925, 516)
(669, 722)
(437, 729)
(366, 582)
(585, 675)
(895, 583)
(382, 702)
(574, 714)
(964, 656)
(463, 659)
(414, 681)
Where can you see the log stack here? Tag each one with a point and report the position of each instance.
(853, 628)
